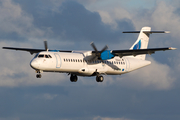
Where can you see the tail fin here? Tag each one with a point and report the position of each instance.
(142, 41)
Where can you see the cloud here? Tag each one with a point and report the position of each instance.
(114, 15)
(161, 17)
(46, 96)
(15, 23)
(155, 76)
(71, 22)
(16, 71)
(106, 118)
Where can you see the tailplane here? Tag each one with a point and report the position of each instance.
(143, 40)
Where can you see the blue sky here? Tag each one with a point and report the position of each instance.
(148, 93)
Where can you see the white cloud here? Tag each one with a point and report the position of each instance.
(112, 16)
(107, 118)
(14, 20)
(46, 96)
(155, 76)
(161, 17)
(16, 71)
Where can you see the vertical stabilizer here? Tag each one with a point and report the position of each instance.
(142, 41)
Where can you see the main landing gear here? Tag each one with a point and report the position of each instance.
(99, 78)
(73, 78)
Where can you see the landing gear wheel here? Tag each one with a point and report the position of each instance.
(38, 76)
(73, 78)
(99, 78)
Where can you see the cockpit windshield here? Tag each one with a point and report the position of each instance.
(42, 56)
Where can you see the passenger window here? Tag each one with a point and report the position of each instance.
(41, 56)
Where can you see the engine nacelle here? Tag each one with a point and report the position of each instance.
(106, 55)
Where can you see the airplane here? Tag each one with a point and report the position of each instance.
(94, 63)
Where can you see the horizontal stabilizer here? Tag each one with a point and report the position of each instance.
(150, 32)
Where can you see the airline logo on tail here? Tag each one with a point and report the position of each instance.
(137, 46)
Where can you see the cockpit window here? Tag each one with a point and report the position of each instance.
(49, 56)
(46, 56)
(41, 56)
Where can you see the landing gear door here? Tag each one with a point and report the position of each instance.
(58, 60)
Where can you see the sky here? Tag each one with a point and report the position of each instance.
(149, 93)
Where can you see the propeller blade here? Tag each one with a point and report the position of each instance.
(94, 47)
(97, 53)
(105, 48)
(45, 45)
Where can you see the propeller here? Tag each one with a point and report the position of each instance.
(45, 45)
(98, 53)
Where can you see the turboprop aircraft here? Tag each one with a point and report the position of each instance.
(94, 63)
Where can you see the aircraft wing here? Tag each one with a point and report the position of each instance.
(150, 51)
(119, 53)
(32, 51)
(25, 49)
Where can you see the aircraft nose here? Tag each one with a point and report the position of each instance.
(34, 64)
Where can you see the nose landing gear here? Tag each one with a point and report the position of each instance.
(39, 74)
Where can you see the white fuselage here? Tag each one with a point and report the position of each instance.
(78, 63)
